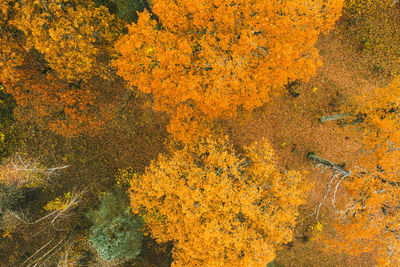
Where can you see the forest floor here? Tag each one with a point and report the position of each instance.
(137, 135)
(292, 126)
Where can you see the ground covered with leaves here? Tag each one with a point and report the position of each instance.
(152, 171)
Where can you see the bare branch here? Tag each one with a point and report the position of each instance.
(336, 188)
(18, 170)
(73, 201)
(326, 195)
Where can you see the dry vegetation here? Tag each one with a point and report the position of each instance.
(135, 133)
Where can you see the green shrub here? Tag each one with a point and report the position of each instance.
(116, 233)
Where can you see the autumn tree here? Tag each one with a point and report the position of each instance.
(220, 56)
(219, 209)
(369, 220)
(72, 36)
(55, 62)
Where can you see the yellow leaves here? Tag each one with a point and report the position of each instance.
(7, 234)
(149, 50)
(204, 196)
(125, 176)
(317, 229)
(59, 203)
(73, 43)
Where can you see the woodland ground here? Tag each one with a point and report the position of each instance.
(292, 126)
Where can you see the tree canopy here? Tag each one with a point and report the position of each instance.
(54, 55)
(220, 56)
(190, 132)
(205, 196)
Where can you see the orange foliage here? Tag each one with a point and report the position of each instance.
(222, 55)
(71, 36)
(370, 220)
(220, 210)
(188, 124)
(53, 53)
(381, 123)
(11, 50)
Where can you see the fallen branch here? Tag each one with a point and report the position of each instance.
(338, 170)
(334, 117)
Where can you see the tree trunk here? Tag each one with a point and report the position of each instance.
(334, 117)
(335, 167)
(292, 88)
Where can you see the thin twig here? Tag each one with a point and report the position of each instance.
(326, 195)
(37, 251)
(336, 188)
